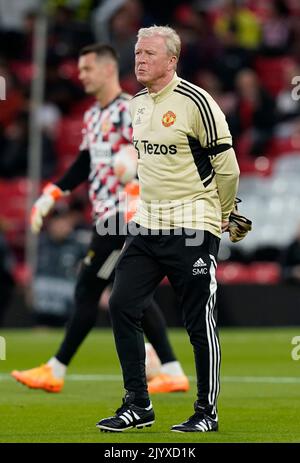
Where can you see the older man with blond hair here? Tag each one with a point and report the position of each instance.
(188, 177)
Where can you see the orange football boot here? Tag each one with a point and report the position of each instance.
(39, 378)
(168, 383)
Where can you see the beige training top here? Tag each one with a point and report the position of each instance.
(187, 168)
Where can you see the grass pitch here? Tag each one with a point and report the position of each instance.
(259, 399)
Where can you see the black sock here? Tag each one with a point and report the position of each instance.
(80, 324)
(204, 408)
(143, 403)
(140, 400)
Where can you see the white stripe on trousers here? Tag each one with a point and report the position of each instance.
(213, 343)
(107, 267)
(218, 358)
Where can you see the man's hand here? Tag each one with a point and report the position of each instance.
(43, 206)
(239, 225)
(225, 225)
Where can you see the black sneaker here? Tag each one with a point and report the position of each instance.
(128, 416)
(201, 421)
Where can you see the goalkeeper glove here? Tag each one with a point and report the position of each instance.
(239, 225)
(43, 205)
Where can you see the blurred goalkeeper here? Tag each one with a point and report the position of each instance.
(107, 131)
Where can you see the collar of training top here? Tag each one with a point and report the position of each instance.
(164, 92)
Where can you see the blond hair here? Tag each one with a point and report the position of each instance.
(172, 39)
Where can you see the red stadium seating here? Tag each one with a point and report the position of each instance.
(69, 70)
(264, 272)
(24, 70)
(22, 274)
(271, 72)
(69, 134)
(232, 273)
(79, 108)
(13, 209)
(254, 273)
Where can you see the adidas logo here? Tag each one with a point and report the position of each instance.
(200, 263)
(128, 418)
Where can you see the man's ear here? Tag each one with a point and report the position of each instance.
(173, 62)
(110, 69)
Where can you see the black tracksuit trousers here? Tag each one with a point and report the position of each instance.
(191, 269)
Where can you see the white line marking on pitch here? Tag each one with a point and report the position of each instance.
(225, 379)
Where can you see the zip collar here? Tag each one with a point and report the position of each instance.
(166, 91)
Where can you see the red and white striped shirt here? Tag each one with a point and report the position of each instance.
(106, 130)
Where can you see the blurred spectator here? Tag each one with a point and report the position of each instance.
(14, 102)
(26, 49)
(79, 210)
(48, 117)
(200, 46)
(14, 153)
(82, 8)
(60, 91)
(117, 22)
(295, 135)
(276, 29)
(101, 17)
(225, 99)
(123, 29)
(12, 13)
(290, 260)
(238, 26)
(78, 206)
(295, 33)
(6, 275)
(239, 31)
(66, 34)
(59, 255)
(255, 112)
(287, 107)
(159, 12)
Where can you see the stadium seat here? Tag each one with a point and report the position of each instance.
(69, 70)
(79, 108)
(264, 273)
(69, 135)
(22, 274)
(283, 146)
(271, 72)
(232, 273)
(13, 197)
(257, 272)
(23, 70)
(130, 85)
(13, 209)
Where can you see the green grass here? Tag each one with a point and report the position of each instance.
(259, 399)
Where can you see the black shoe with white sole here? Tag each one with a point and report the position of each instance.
(201, 421)
(128, 416)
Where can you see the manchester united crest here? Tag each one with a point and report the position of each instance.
(168, 118)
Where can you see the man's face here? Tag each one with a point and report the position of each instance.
(94, 72)
(152, 61)
(59, 228)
